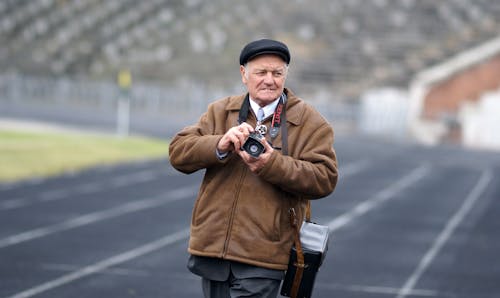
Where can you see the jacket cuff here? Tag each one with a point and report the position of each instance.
(219, 155)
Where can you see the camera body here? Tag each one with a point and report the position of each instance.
(253, 145)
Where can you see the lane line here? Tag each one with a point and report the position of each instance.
(98, 216)
(96, 186)
(354, 168)
(446, 233)
(139, 177)
(52, 195)
(104, 264)
(133, 166)
(13, 203)
(379, 198)
(88, 188)
(113, 271)
(379, 290)
(28, 182)
(127, 180)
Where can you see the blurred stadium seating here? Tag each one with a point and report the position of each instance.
(59, 58)
(351, 45)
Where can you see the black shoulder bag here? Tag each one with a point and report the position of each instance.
(310, 245)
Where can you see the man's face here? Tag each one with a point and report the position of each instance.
(265, 78)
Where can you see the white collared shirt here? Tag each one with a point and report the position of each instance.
(268, 110)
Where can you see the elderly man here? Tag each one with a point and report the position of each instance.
(241, 233)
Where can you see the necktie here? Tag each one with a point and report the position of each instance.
(260, 115)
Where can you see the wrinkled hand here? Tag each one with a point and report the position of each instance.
(234, 138)
(255, 164)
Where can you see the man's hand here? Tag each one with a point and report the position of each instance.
(234, 138)
(255, 164)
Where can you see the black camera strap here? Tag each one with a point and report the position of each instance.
(245, 108)
(279, 117)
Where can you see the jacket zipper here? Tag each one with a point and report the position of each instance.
(231, 218)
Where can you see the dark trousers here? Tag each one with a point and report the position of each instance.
(246, 287)
(227, 279)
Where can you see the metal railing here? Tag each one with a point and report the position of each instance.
(157, 109)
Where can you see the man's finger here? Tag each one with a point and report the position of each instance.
(246, 127)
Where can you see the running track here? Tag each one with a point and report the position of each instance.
(406, 221)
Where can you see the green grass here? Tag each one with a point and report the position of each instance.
(25, 154)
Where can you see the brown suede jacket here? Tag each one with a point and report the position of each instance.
(243, 216)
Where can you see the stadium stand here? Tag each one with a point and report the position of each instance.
(350, 45)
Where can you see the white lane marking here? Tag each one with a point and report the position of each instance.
(13, 203)
(111, 271)
(378, 290)
(102, 169)
(52, 195)
(379, 198)
(139, 177)
(16, 184)
(94, 217)
(127, 180)
(353, 168)
(443, 237)
(88, 188)
(104, 264)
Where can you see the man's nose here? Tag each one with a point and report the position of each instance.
(269, 78)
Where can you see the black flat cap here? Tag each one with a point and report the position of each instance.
(264, 46)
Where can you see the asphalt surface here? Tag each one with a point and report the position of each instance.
(406, 221)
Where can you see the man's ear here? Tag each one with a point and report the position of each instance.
(243, 74)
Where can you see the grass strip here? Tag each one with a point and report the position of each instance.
(25, 154)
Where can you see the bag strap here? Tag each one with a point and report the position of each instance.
(308, 211)
(284, 151)
(300, 264)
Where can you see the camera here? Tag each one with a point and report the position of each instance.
(253, 145)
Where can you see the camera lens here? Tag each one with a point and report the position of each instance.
(254, 148)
